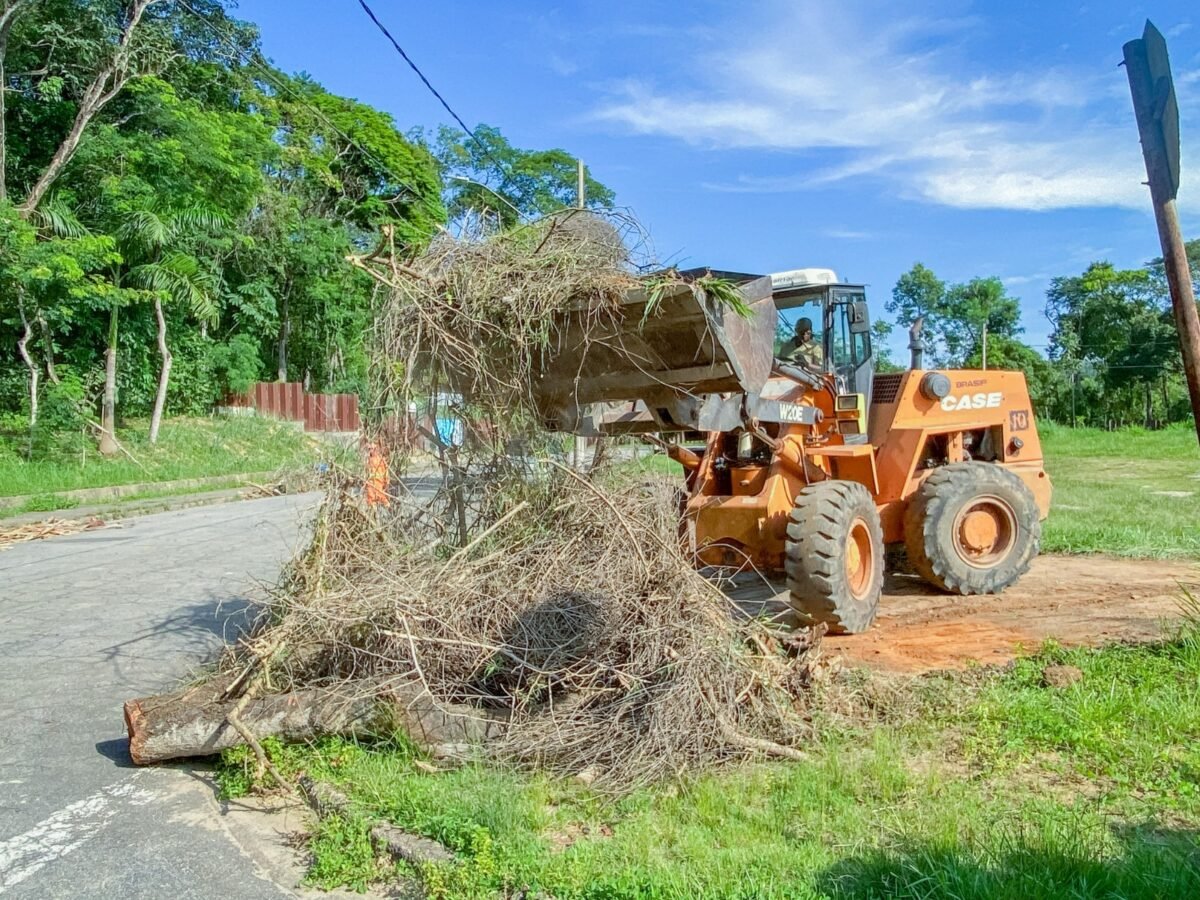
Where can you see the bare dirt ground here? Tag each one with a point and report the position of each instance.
(1076, 600)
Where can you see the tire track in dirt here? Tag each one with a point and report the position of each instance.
(1075, 600)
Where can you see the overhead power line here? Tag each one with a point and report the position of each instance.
(500, 167)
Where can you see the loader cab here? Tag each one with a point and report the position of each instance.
(841, 322)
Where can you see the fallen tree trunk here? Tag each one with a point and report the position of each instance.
(195, 721)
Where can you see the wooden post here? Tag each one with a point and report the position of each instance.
(1157, 112)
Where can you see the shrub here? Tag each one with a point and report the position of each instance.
(235, 364)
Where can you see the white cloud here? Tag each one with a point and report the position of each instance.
(562, 66)
(1019, 280)
(847, 234)
(850, 96)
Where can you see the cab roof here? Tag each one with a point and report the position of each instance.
(786, 297)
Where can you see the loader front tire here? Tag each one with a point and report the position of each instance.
(835, 556)
(972, 528)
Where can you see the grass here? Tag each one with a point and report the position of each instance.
(1125, 493)
(117, 506)
(1138, 733)
(986, 785)
(187, 448)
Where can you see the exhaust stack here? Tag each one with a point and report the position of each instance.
(916, 344)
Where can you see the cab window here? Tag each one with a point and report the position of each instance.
(848, 350)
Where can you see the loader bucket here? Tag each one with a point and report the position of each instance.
(686, 347)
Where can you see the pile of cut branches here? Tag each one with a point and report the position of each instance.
(476, 315)
(560, 605)
(574, 615)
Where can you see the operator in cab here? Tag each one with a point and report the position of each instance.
(803, 349)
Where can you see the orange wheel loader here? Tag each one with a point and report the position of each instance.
(811, 470)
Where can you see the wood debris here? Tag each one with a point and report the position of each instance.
(39, 531)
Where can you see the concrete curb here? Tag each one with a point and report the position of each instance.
(117, 491)
(326, 800)
(132, 508)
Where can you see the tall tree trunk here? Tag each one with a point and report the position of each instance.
(164, 375)
(285, 330)
(48, 348)
(1149, 417)
(34, 373)
(108, 83)
(108, 410)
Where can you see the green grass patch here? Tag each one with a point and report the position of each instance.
(343, 855)
(987, 785)
(41, 503)
(1126, 493)
(1133, 720)
(116, 506)
(187, 448)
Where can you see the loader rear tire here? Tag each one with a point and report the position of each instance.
(972, 528)
(835, 556)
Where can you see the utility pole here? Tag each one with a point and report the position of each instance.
(985, 346)
(1154, 103)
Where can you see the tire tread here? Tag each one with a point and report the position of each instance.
(945, 489)
(819, 522)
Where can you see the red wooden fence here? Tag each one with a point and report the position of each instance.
(318, 412)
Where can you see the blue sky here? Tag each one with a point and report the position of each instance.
(978, 138)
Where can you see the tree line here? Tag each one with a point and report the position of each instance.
(176, 212)
(1113, 355)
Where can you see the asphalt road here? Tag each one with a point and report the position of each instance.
(86, 622)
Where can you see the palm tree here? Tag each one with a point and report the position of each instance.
(148, 239)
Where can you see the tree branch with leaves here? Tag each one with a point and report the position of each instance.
(109, 81)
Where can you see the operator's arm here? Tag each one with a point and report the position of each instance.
(808, 355)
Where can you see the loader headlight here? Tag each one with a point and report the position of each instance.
(935, 386)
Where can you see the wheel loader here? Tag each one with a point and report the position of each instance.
(811, 472)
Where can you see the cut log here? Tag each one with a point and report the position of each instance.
(194, 721)
(173, 727)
